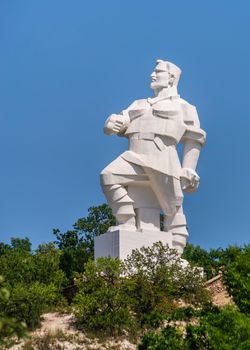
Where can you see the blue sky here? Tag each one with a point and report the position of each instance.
(66, 65)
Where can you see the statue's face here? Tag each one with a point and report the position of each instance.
(159, 79)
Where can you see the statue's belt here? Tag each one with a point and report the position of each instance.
(160, 141)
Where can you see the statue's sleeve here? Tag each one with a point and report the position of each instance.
(136, 107)
(191, 120)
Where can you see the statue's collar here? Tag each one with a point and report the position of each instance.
(154, 100)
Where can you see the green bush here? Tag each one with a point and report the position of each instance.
(225, 329)
(215, 329)
(19, 265)
(237, 278)
(169, 338)
(102, 302)
(27, 302)
(47, 266)
(141, 292)
(9, 326)
(35, 281)
(159, 281)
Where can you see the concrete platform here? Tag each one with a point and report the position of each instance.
(120, 243)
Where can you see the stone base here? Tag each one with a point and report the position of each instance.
(120, 243)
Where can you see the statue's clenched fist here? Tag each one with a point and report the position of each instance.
(115, 124)
(189, 180)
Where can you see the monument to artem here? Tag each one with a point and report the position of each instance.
(149, 177)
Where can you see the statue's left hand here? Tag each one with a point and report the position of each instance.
(114, 124)
(189, 180)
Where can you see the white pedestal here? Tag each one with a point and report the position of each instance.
(120, 243)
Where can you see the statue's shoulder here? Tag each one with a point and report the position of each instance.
(185, 103)
(186, 106)
(139, 104)
(190, 115)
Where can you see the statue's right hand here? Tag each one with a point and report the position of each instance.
(113, 124)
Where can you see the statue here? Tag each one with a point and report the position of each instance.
(149, 176)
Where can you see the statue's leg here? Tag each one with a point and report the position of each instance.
(121, 205)
(169, 194)
(175, 223)
(114, 180)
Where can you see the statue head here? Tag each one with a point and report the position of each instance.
(165, 74)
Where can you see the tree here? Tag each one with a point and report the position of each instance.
(97, 222)
(237, 277)
(209, 261)
(77, 245)
(22, 244)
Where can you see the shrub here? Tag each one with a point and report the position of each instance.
(47, 266)
(27, 302)
(141, 292)
(102, 302)
(216, 329)
(170, 338)
(225, 329)
(237, 278)
(35, 281)
(159, 281)
(9, 326)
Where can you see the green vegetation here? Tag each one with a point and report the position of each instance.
(233, 262)
(34, 281)
(9, 326)
(102, 302)
(150, 293)
(215, 329)
(141, 292)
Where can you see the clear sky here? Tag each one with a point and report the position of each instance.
(66, 65)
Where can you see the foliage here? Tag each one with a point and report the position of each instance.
(237, 277)
(19, 265)
(97, 222)
(102, 302)
(9, 327)
(21, 244)
(47, 266)
(208, 260)
(77, 245)
(34, 281)
(169, 338)
(28, 302)
(233, 261)
(225, 329)
(141, 291)
(216, 329)
(160, 280)
(16, 265)
(185, 313)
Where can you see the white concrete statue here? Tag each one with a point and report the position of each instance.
(149, 176)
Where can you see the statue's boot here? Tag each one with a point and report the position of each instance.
(177, 225)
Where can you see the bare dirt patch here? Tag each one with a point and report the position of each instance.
(58, 332)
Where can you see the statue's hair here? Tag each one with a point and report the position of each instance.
(171, 68)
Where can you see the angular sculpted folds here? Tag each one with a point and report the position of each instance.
(149, 177)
